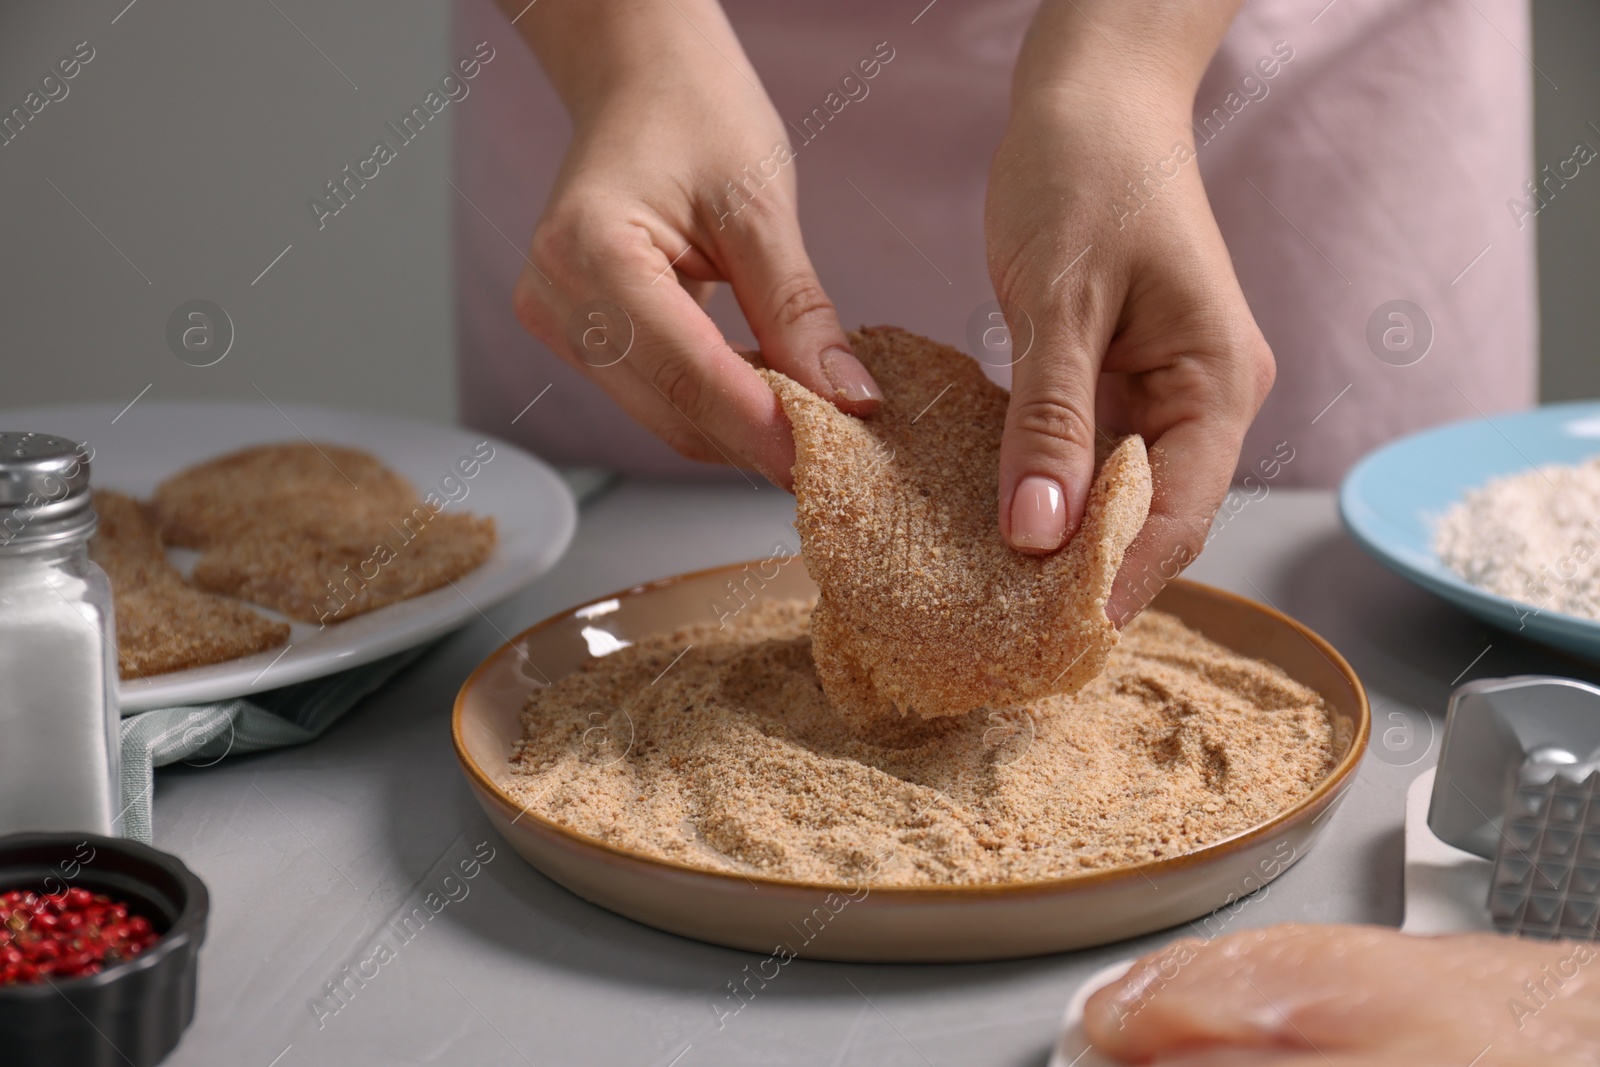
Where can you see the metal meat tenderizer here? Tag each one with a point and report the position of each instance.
(1518, 775)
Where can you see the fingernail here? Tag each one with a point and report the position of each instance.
(848, 377)
(1038, 514)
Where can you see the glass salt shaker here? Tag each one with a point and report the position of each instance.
(59, 727)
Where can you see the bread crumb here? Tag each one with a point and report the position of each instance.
(731, 758)
(1532, 537)
(321, 533)
(162, 623)
(339, 570)
(924, 608)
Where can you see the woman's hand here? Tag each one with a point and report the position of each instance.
(678, 176)
(1310, 996)
(1104, 252)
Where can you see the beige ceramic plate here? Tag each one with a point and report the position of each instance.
(841, 922)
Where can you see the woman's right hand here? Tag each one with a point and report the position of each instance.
(678, 176)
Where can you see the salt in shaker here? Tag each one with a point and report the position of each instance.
(59, 724)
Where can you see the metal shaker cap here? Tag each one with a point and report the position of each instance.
(44, 490)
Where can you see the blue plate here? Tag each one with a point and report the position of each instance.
(1392, 498)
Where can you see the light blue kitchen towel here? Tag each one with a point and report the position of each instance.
(203, 734)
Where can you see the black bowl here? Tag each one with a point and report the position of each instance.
(132, 1012)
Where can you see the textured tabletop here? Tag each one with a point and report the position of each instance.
(364, 913)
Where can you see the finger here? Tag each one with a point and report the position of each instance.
(1195, 413)
(594, 348)
(793, 320)
(680, 355)
(1191, 466)
(1047, 452)
(655, 351)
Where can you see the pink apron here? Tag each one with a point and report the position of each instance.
(1371, 191)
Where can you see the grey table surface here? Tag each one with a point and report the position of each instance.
(312, 854)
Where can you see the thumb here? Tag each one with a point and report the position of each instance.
(792, 318)
(1047, 453)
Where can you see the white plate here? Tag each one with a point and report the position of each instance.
(1446, 892)
(1072, 1047)
(1447, 888)
(135, 449)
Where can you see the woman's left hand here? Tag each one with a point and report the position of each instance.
(1111, 269)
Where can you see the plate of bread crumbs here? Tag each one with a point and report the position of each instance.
(251, 546)
(1500, 516)
(909, 743)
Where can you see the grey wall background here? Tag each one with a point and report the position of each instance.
(193, 139)
(1566, 43)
